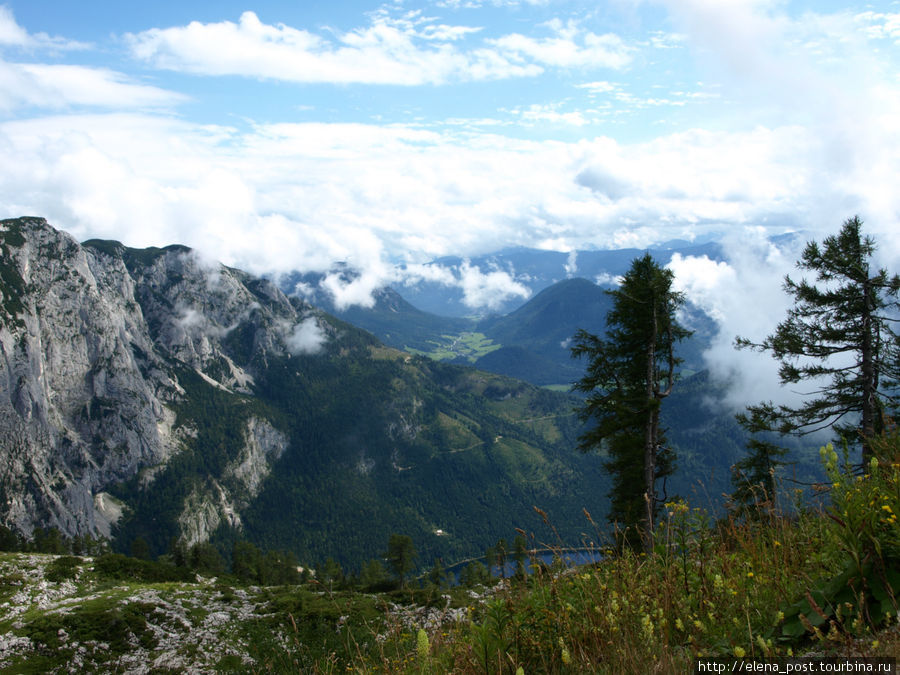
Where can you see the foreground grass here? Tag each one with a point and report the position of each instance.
(820, 581)
(705, 591)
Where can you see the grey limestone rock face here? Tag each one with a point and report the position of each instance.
(91, 340)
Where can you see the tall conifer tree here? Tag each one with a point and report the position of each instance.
(838, 338)
(628, 375)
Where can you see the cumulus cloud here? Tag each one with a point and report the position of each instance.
(407, 50)
(744, 295)
(606, 279)
(357, 290)
(817, 70)
(568, 46)
(489, 289)
(480, 289)
(306, 337)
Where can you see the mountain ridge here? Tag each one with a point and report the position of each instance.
(152, 395)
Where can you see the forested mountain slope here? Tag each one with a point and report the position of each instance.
(147, 393)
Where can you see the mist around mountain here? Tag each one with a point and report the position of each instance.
(530, 343)
(535, 270)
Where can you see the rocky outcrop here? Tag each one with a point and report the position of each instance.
(223, 500)
(92, 339)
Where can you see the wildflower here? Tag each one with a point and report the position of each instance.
(717, 581)
(422, 646)
(739, 652)
(678, 624)
(565, 656)
(749, 575)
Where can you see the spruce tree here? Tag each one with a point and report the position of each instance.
(837, 338)
(628, 375)
(400, 556)
(754, 479)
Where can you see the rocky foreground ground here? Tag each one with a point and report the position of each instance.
(88, 623)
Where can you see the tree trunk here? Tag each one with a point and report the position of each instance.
(867, 370)
(650, 432)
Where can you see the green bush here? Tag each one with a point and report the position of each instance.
(122, 568)
(62, 568)
(863, 519)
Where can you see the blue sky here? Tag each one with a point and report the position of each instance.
(289, 135)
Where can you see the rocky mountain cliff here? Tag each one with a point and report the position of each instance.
(152, 393)
(87, 390)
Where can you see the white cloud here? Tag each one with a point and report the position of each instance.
(475, 4)
(63, 86)
(301, 196)
(489, 289)
(569, 47)
(480, 289)
(386, 52)
(745, 298)
(818, 71)
(410, 50)
(881, 25)
(13, 35)
(571, 265)
(359, 289)
(606, 279)
(306, 337)
(58, 86)
(598, 87)
(551, 113)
